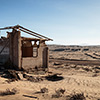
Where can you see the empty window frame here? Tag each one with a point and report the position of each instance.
(35, 51)
(27, 49)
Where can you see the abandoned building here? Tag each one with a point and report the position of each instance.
(23, 52)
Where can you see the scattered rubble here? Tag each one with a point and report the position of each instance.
(8, 92)
(57, 63)
(78, 96)
(12, 75)
(95, 75)
(32, 79)
(59, 93)
(44, 90)
(54, 77)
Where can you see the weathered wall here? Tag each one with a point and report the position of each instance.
(45, 57)
(29, 58)
(32, 62)
(3, 58)
(15, 48)
(5, 51)
(4, 55)
(41, 61)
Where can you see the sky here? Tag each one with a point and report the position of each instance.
(67, 22)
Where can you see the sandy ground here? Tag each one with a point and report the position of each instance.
(75, 52)
(75, 79)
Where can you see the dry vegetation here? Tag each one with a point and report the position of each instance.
(75, 52)
(65, 81)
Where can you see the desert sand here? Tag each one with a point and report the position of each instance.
(77, 81)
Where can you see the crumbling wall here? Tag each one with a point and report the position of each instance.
(15, 49)
(3, 59)
(4, 55)
(33, 56)
(45, 57)
(2, 44)
(35, 62)
(40, 62)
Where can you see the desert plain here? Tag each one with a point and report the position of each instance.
(73, 74)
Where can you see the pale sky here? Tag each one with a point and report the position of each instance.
(67, 22)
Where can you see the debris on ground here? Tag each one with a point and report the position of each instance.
(54, 77)
(77, 96)
(10, 80)
(8, 92)
(12, 75)
(58, 93)
(44, 90)
(31, 97)
(57, 63)
(32, 79)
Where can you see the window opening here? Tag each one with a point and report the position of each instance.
(29, 49)
(35, 49)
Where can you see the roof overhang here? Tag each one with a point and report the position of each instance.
(20, 28)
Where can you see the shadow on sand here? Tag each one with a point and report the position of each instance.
(54, 77)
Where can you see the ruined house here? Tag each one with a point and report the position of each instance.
(25, 53)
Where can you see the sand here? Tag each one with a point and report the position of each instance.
(76, 79)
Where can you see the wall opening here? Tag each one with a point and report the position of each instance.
(29, 49)
(35, 51)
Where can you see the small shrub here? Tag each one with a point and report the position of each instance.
(78, 96)
(8, 92)
(44, 90)
(58, 93)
